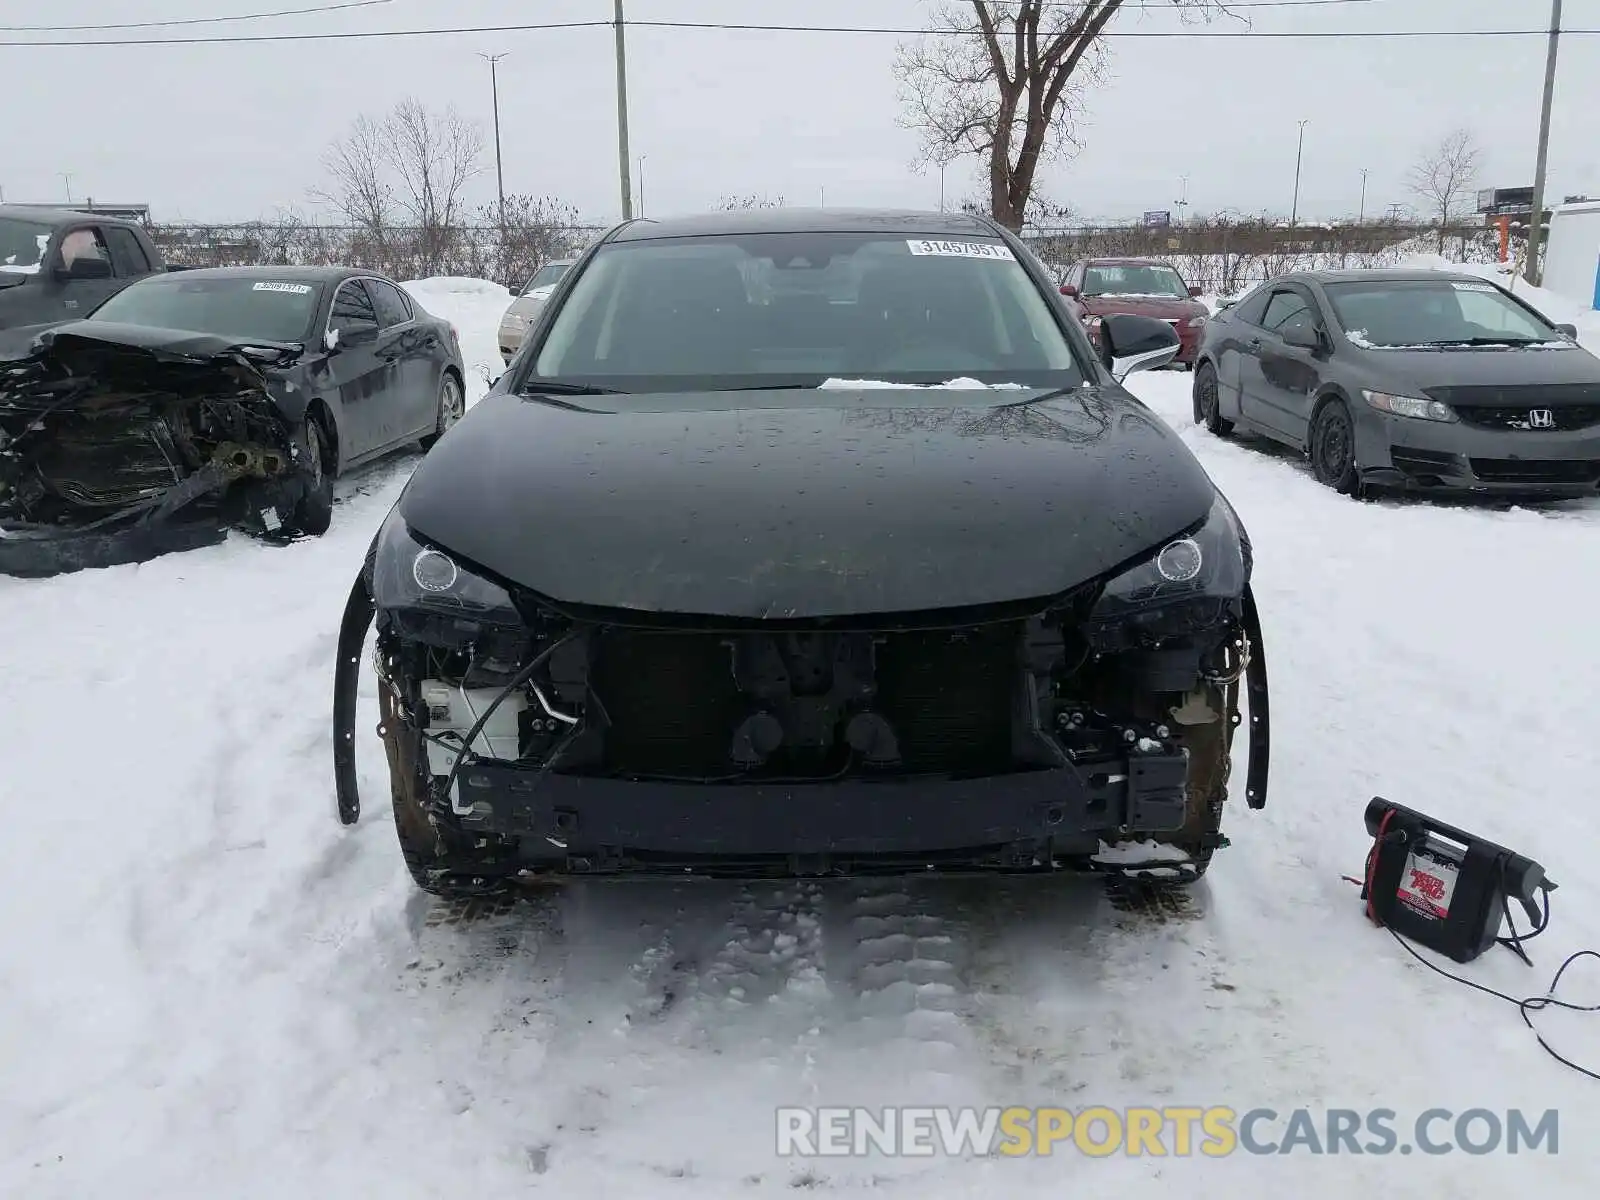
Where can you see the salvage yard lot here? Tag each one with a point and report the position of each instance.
(210, 988)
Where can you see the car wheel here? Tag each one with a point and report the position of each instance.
(1207, 402)
(452, 406)
(314, 513)
(1333, 448)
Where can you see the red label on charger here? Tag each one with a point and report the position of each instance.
(1427, 884)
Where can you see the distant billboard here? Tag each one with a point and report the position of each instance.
(1505, 200)
(1159, 218)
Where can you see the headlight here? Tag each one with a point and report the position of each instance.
(1196, 322)
(1207, 565)
(409, 575)
(1409, 406)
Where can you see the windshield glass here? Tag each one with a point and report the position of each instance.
(1427, 312)
(273, 310)
(1134, 279)
(22, 246)
(798, 309)
(546, 276)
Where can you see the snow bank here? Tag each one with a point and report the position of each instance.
(474, 307)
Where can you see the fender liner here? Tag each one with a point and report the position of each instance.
(1255, 690)
(358, 613)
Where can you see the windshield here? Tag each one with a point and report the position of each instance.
(799, 309)
(546, 276)
(22, 246)
(273, 310)
(1428, 312)
(1134, 279)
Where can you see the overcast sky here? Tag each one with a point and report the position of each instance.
(233, 132)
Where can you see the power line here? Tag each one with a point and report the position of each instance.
(259, 16)
(1114, 34)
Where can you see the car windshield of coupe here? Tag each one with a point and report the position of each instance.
(797, 310)
(1134, 279)
(22, 246)
(273, 310)
(1434, 313)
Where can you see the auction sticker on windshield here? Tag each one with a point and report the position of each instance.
(961, 249)
(294, 289)
(1474, 287)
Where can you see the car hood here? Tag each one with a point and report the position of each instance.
(1510, 368)
(1166, 308)
(806, 503)
(143, 356)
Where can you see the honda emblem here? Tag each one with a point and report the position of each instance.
(1541, 418)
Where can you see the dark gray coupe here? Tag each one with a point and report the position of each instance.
(1422, 380)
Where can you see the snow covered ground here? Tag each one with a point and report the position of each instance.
(209, 988)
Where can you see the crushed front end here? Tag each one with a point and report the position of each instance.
(112, 453)
(1093, 730)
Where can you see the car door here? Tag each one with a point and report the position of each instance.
(80, 274)
(414, 395)
(360, 375)
(1278, 389)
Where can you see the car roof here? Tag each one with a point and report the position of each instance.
(1126, 262)
(905, 222)
(295, 274)
(46, 215)
(1384, 275)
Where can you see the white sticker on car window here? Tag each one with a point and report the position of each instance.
(294, 289)
(1474, 287)
(961, 249)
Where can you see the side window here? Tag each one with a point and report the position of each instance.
(353, 315)
(1286, 307)
(1253, 306)
(87, 242)
(126, 252)
(392, 306)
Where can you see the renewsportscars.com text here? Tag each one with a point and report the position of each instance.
(1169, 1131)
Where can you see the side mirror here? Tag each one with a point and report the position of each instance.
(1570, 331)
(85, 268)
(1138, 344)
(1068, 290)
(1303, 335)
(1196, 292)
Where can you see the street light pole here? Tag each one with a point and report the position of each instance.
(66, 178)
(499, 174)
(1536, 224)
(622, 115)
(642, 157)
(1294, 212)
(1361, 215)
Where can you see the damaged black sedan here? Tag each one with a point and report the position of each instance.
(190, 404)
(809, 544)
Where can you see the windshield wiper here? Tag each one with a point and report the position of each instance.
(563, 387)
(1486, 341)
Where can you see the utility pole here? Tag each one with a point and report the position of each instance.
(1294, 212)
(1536, 225)
(943, 163)
(622, 116)
(1362, 214)
(66, 177)
(499, 174)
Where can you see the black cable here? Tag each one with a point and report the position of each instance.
(517, 681)
(1113, 34)
(256, 16)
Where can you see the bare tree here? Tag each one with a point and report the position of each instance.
(1005, 80)
(1443, 179)
(435, 156)
(357, 188)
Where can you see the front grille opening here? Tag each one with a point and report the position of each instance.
(1529, 470)
(673, 704)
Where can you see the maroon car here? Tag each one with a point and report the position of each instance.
(1140, 287)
